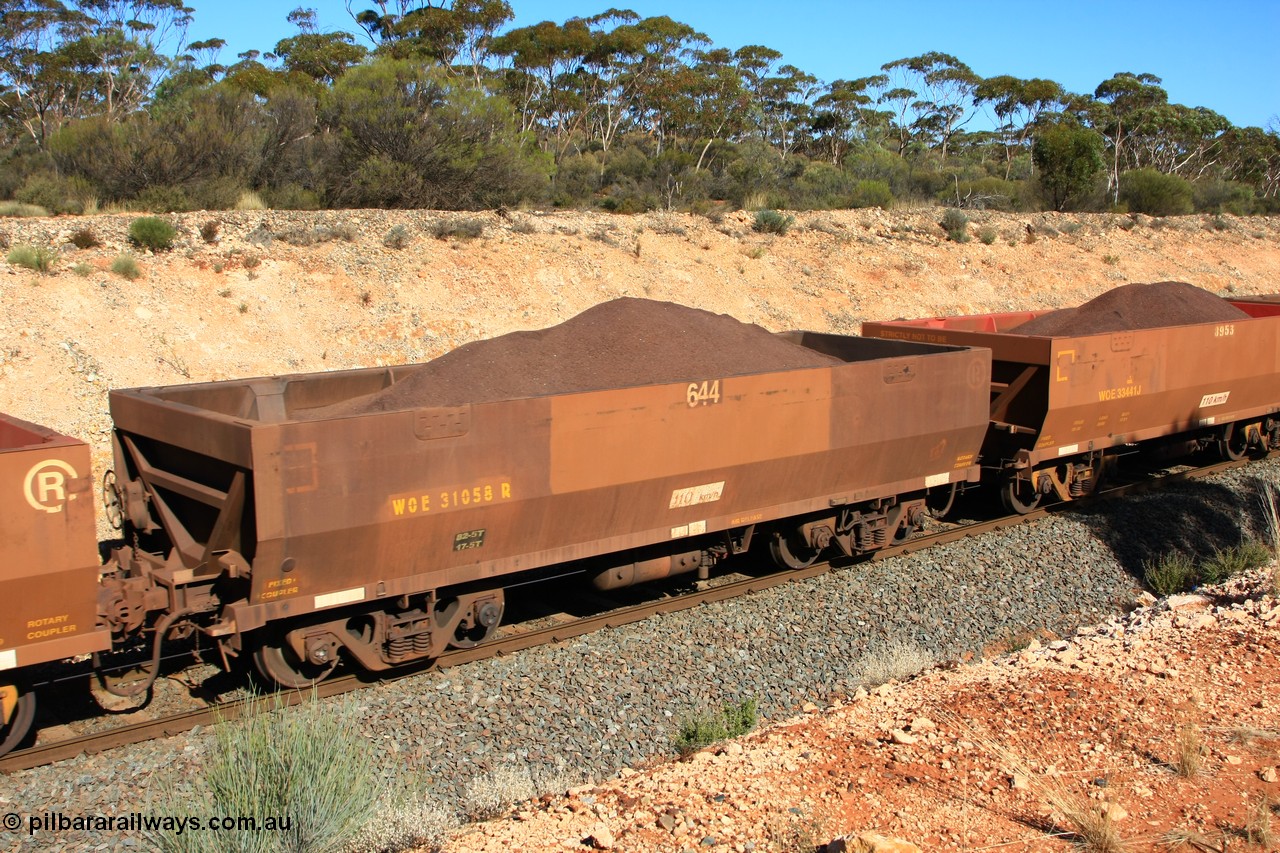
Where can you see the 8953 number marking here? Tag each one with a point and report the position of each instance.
(703, 393)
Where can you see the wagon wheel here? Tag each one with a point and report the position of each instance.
(18, 727)
(791, 552)
(276, 661)
(1233, 444)
(478, 627)
(1019, 496)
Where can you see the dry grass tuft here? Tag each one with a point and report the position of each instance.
(1258, 830)
(1271, 513)
(1089, 822)
(1184, 839)
(1190, 751)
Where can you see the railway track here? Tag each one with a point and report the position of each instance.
(519, 637)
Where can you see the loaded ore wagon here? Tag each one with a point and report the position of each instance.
(48, 562)
(1165, 364)
(381, 512)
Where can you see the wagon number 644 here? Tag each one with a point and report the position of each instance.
(702, 393)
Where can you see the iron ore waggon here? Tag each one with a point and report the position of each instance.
(1062, 406)
(293, 536)
(295, 521)
(48, 562)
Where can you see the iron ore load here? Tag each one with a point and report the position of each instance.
(381, 516)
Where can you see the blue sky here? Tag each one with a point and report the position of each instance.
(1220, 55)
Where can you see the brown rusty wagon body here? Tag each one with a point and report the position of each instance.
(335, 525)
(1059, 404)
(48, 561)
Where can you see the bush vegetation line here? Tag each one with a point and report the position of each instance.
(453, 108)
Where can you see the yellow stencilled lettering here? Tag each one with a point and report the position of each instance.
(702, 393)
(477, 494)
(1121, 393)
(278, 588)
(964, 461)
(51, 631)
(1224, 330)
(746, 519)
(48, 621)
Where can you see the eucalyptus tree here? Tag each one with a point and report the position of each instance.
(1251, 155)
(1118, 107)
(943, 89)
(458, 34)
(657, 71)
(756, 64)
(717, 100)
(786, 103)
(542, 78)
(124, 50)
(40, 84)
(317, 56)
(1019, 105)
(1177, 140)
(844, 114)
(65, 60)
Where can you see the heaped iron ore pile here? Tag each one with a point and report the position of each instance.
(617, 344)
(1136, 306)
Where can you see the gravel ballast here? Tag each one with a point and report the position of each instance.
(588, 707)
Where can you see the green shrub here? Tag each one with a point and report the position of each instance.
(463, 229)
(772, 222)
(872, 194)
(293, 197)
(126, 266)
(1155, 193)
(1229, 562)
(1224, 197)
(308, 765)
(1068, 160)
(84, 238)
(987, 235)
(42, 259)
(397, 237)
(164, 199)
(956, 224)
(700, 730)
(17, 208)
(82, 269)
(52, 193)
(1172, 573)
(152, 232)
(344, 231)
